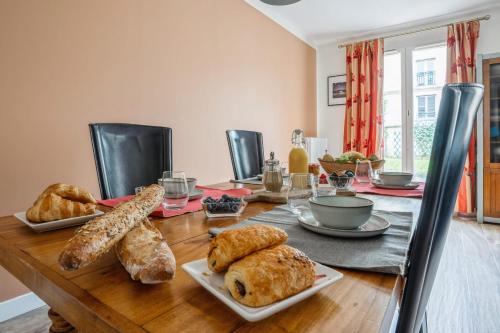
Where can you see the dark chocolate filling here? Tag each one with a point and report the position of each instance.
(240, 287)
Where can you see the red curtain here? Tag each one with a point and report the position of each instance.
(363, 114)
(462, 42)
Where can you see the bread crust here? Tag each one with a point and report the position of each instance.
(231, 245)
(269, 275)
(100, 234)
(145, 254)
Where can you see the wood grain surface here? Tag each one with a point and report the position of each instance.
(103, 298)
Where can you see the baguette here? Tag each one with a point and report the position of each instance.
(144, 253)
(99, 235)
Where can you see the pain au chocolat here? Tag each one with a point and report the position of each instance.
(231, 245)
(269, 275)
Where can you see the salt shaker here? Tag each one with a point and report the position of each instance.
(273, 176)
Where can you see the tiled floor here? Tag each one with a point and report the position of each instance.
(465, 297)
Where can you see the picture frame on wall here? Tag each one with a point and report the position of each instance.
(336, 89)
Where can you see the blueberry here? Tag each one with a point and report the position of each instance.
(349, 173)
(235, 208)
(211, 207)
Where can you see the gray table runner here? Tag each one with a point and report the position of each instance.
(386, 253)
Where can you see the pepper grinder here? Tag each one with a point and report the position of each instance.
(273, 176)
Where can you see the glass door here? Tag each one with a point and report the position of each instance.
(413, 81)
(394, 145)
(429, 76)
(494, 112)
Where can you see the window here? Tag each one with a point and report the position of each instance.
(413, 79)
(426, 106)
(426, 74)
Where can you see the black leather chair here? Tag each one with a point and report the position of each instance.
(459, 104)
(128, 156)
(247, 153)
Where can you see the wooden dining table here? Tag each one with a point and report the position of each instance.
(102, 297)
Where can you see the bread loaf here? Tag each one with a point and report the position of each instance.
(145, 254)
(99, 235)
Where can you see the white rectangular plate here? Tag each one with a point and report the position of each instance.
(214, 283)
(58, 224)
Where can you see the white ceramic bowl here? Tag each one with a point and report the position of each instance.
(340, 212)
(191, 183)
(395, 178)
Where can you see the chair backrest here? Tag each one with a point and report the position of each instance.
(247, 153)
(128, 156)
(459, 105)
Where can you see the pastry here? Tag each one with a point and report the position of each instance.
(52, 207)
(269, 275)
(231, 245)
(60, 201)
(100, 234)
(145, 254)
(69, 192)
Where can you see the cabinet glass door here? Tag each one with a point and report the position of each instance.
(494, 113)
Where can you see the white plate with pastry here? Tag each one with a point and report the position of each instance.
(57, 224)
(214, 283)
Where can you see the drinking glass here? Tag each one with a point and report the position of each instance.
(364, 172)
(176, 190)
(301, 186)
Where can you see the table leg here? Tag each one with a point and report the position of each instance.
(59, 324)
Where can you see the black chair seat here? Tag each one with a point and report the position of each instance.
(128, 156)
(247, 153)
(459, 105)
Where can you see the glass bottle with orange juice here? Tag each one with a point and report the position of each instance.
(297, 159)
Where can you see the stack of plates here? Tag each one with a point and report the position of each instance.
(411, 186)
(195, 194)
(376, 225)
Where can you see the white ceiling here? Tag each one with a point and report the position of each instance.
(322, 21)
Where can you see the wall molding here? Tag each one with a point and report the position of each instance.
(19, 305)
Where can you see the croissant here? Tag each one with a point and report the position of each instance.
(60, 201)
(69, 192)
(53, 207)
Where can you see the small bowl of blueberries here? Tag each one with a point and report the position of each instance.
(225, 206)
(341, 180)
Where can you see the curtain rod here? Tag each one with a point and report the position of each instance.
(482, 18)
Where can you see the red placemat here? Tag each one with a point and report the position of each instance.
(192, 206)
(370, 189)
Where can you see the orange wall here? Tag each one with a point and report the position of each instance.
(198, 66)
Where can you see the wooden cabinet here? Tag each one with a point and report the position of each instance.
(492, 192)
(491, 137)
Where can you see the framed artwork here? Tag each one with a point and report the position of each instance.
(336, 89)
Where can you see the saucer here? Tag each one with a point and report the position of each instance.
(376, 225)
(410, 186)
(195, 194)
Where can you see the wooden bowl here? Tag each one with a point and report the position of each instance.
(331, 167)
